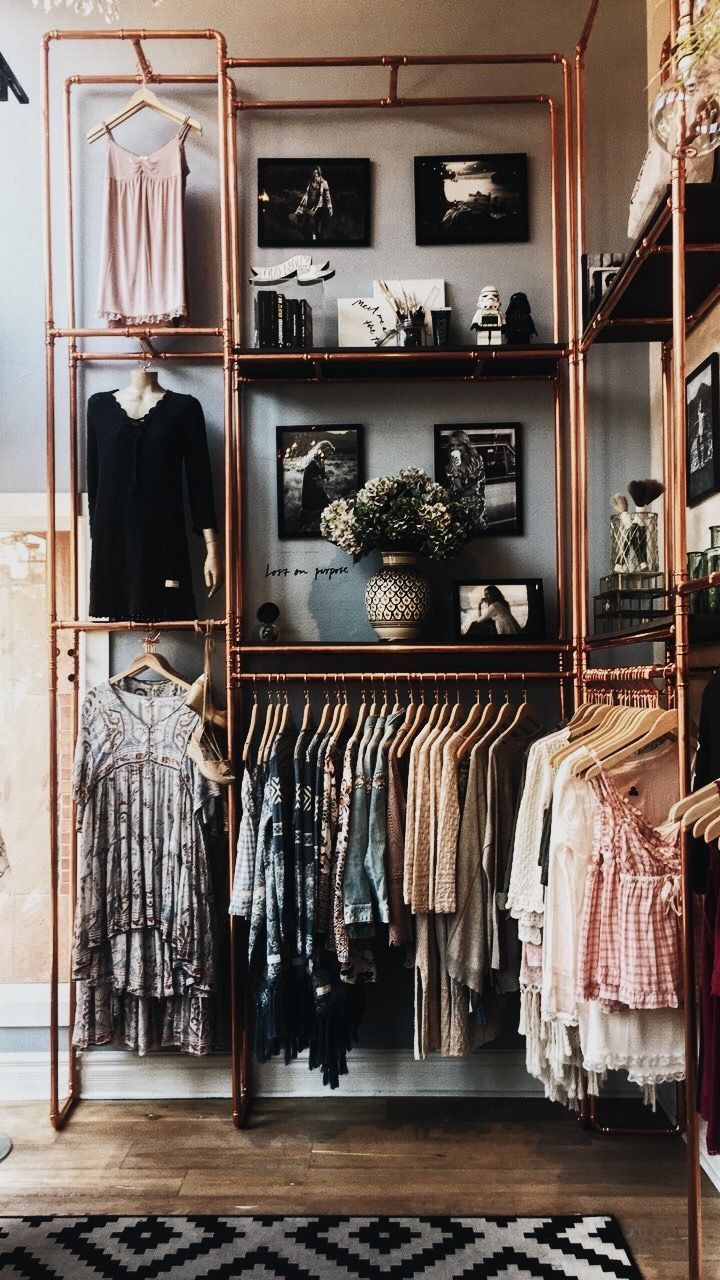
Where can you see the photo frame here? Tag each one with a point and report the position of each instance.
(309, 476)
(313, 203)
(702, 430)
(499, 610)
(481, 464)
(472, 199)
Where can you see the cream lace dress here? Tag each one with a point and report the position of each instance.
(144, 944)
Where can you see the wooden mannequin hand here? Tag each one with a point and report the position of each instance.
(213, 570)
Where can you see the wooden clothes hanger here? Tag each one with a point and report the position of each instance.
(142, 98)
(247, 745)
(665, 724)
(684, 809)
(624, 737)
(524, 716)
(150, 660)
(269, 716)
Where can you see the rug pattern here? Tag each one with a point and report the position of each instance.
(313, 1248)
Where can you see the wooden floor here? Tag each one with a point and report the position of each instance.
(338, 1155)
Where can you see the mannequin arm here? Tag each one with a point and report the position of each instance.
(213, 571)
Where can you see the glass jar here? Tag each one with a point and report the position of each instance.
(697, 568)
(410, 333)
(712, 556)
(715, 535)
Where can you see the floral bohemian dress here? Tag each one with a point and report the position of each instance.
(144, 944)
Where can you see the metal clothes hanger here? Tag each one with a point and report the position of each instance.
(524, 715)
(142, 98)
(150, 660)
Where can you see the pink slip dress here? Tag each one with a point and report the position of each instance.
(142, 274)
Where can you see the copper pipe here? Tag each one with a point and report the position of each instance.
(368, 104)
(156, 78)
(402, 60)
(486, 677)
(586, 32)
(74, 600)
(138, 331)
(389, 354)
(69, 227)
(578, 468)
(681, 658)
(692, 585)
(231, 124)
(135, 356)
(90, 625)
(668, 462)
(554, 217)
(697, 317)
(561, 567)
(140, 33)
(55, 1115)
(146, 71)
(637, 1131)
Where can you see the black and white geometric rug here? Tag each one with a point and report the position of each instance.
(322, 1248)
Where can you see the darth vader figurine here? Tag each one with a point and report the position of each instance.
(519, 324)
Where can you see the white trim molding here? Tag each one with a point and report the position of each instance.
(27, 1004)
(113, 1075)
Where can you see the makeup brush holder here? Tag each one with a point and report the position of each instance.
(634, 542)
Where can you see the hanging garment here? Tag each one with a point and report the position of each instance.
(356, 959)
(140, 568)
(467, 943)
(144, 938)
(400, 917)
(629, 939)
(526, 896)
(142, 274)
(242, 891)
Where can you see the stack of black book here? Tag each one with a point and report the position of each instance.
(282, 322)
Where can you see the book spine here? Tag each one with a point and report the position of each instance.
(294, 313)
(308, 325)
(280, 337)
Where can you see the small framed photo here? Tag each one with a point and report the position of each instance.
(481, 199)
(315, 465)
(702, 406)
(480, 463)
(313, 202)
(488, 611)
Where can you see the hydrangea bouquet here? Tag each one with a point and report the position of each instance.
(407, 512)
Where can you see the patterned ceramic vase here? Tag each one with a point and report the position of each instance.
(397, 598)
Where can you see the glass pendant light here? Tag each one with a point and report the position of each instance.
(687, 115)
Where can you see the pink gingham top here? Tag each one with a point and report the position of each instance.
(630, 937)
(142, 273)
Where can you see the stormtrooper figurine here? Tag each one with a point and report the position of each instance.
(489, 319)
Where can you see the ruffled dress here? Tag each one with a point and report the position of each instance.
(144, 940)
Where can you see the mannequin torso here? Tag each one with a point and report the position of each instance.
(141, 395)
(137, 399)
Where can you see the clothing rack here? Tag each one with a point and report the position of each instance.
(243, 370)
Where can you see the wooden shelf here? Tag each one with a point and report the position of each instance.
(343, 364)
(649, 633)
(638, 305)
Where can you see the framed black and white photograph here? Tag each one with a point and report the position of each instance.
(481, 465)
(488, 611)
(313, 202)
(480, 199)
(315, 465)
(703, 431)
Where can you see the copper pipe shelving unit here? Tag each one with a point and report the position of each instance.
(680, 234)
(561, 364)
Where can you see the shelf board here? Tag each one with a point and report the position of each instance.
(320, 646)
(343, 364)
(638, 305)
(649, 633)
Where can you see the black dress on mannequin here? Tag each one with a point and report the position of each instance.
(140, 566)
